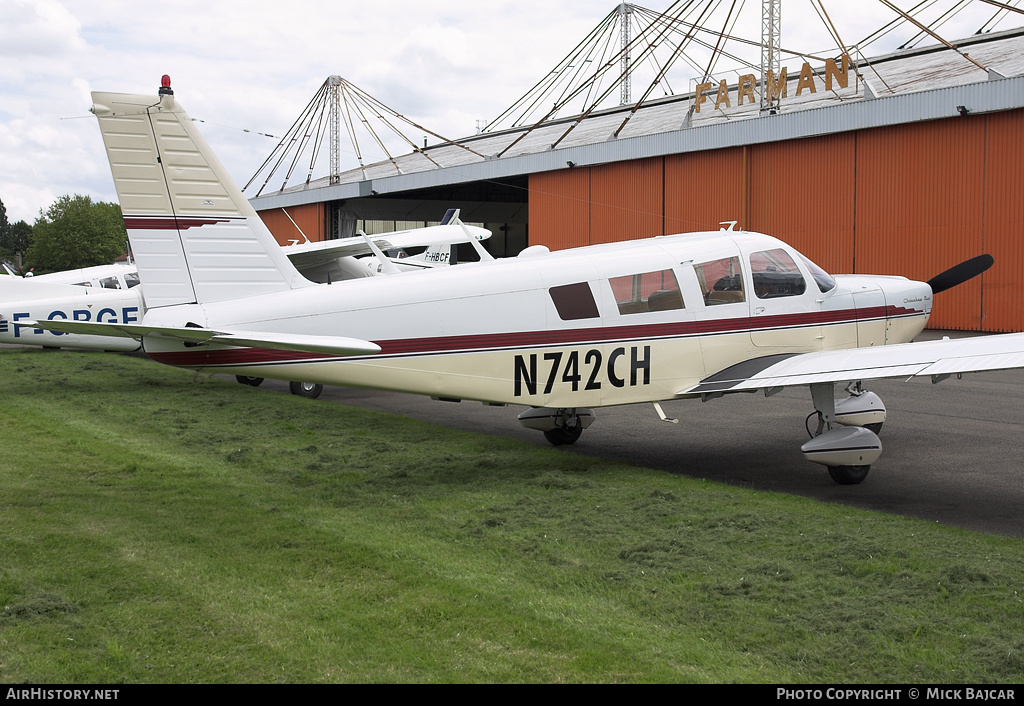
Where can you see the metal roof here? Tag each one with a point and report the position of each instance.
(908, 86)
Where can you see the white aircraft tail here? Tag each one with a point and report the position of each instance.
(195, 237)
(436, 255)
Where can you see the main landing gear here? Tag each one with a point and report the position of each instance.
(309, 390)
(846, 439)
(561, 427)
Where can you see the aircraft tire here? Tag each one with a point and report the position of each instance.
(848, 475)
(875, 428)
(251, 381)
(309, 390)
(560, 436)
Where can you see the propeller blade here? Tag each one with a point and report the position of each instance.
(960, 273)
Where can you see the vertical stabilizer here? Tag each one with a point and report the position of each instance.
(195, 237)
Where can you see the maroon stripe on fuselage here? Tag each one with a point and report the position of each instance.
(236, 356)
(171, 223)
(531, 339)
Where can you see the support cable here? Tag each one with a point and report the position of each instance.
(339, 101)
(949, 14)
(933, 34)
(601, 70)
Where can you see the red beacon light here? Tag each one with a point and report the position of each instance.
(165, 86)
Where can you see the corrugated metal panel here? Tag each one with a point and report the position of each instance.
(802, 191)
(908, 200)
(1003, 285)
(308, 217)
(703, 189)
(560, 208)
(626, 201)
(919, 207)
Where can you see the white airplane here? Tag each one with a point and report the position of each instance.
(80, 296)
(683, 316)
(365, 256)
(122, 275)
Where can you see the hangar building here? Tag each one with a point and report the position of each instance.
(903, 164)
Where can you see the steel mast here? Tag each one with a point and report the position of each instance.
(771, 48)
(334, 82)
(625, 11)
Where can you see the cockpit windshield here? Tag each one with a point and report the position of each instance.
(821, 278)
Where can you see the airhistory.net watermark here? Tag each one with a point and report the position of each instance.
(40, 694)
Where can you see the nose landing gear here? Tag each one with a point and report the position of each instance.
(561, 427)
(847, 451)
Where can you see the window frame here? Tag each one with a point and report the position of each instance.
(637, 303)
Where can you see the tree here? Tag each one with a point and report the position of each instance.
(19, 237)
(14, 237)
(4, 227)
(16, 242)
(75, 232)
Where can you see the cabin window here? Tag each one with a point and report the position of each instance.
(132, 279)
(721, 281)
(574, 301)
(647, 291)
(110, 283)
(821, 278)
(775, 275)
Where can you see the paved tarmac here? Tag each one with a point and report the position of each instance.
(952, 452)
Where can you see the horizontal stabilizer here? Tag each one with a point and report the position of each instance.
(906, 360)
(136, 331)
(329, 345)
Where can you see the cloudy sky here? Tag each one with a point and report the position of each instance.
(245, 68)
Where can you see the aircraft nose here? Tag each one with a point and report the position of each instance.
(909, 306)
(912, 295)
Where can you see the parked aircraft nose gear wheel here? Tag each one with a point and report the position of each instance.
(848, 475)
(847, 451)
(245, 380)
(561, 427)
(309, 390)
(564, 436)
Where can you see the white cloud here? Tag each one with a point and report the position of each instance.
(33, 28)
(255, 65)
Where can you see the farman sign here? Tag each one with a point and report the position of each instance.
(776, 88)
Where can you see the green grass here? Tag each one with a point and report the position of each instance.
(155, 530)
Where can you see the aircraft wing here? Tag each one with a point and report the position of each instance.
(330, 345)
(307, 255)
(937, 359)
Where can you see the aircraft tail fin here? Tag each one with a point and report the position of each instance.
(195, 237)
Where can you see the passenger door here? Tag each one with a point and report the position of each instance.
(724, 320)
(785, 310)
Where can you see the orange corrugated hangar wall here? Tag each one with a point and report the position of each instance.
(909, 200)
(309, 218)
